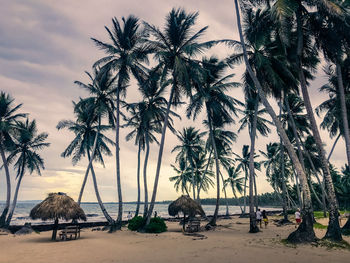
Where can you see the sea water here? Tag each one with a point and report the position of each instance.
(94, 214)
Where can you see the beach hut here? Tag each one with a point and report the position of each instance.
(187, 206)
(57, 206)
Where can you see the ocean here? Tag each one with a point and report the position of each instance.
(94, 214)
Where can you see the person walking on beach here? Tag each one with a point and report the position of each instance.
(266, 220)
(297, 218)
(258, 217)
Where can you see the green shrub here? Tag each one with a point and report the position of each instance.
(156, 225)
(136, 223)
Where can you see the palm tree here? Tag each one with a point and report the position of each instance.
(85, 129)
(183, 178)
(332, 37)
(223, 141)
(8, 116)
(306, 226)
(125, 55)
(332, 120)
(191, 145)
(27, 142)
(173, 49)
(147, 117)
(235, 182)
(210, 95)
(243, 165)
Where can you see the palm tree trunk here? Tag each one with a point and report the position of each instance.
(14, 202)
(145, 208)
(225, 194)
(234, 194)
(253, 228)
(245, 191)
(206, 170)
(8, 187)
(83, 185)
(98, 197)
(324, 194)
(117, 158)
(211, 134)
(138, 181)
(193, 181)
(331, 152)
(283, 179)
(315, 194)
(90, 163)
(160, 154)
(300, 153)
(298, 189)
(305, 232)
(343, 111)
(256, 195)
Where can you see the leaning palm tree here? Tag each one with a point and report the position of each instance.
(174, 47)
(191, 145)
(219, 107)
(8, 116)
(300, 10)
(85, 129)
(27, 142)
(125, 55)
(305, 231)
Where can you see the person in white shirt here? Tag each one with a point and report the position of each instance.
(258, 217)
(297, 217)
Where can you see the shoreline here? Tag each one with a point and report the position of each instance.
(49, 227)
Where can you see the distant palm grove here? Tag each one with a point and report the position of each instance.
(281, 43)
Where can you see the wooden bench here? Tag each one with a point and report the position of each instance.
(70, 232)
(193, 226)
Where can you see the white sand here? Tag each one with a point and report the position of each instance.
(230, 242)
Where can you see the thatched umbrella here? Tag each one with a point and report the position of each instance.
(187, 206)
(57, 206)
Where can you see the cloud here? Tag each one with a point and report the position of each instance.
(45, 46)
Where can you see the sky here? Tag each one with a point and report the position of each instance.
(45, 46)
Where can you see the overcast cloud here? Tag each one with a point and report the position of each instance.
(45, 46)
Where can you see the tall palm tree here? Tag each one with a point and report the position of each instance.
(147, 117)
(85, 129)
(27, 144)
(332, 120)
(191, 145)
(174, 47)
(210, 94)
(305, 231)
(8, 116)
(125, 55)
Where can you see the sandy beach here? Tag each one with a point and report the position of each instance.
(230, 242)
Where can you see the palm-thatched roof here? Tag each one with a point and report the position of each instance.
(58, 205)
(185, 205)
